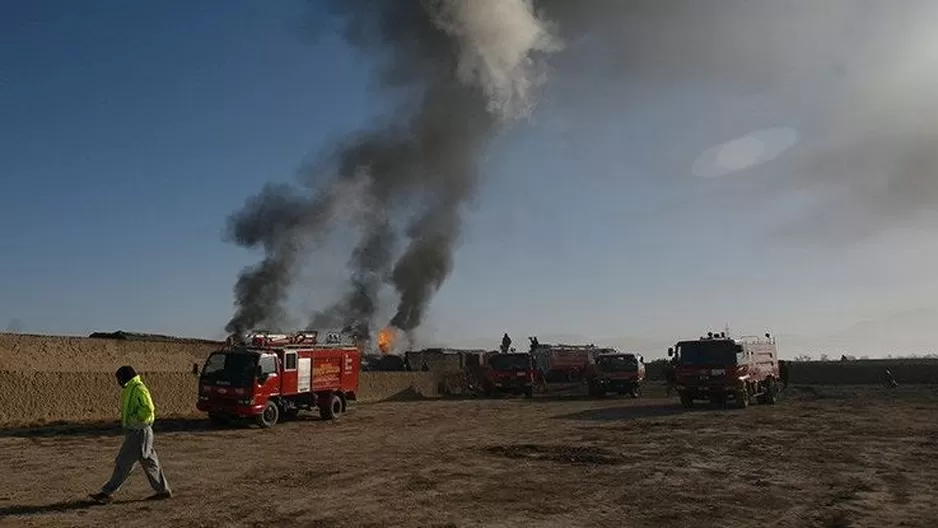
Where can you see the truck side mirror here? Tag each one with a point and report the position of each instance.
(670, 352)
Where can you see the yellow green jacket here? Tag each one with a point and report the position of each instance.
(137, 409)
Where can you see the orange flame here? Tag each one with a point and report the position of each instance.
(386, 338)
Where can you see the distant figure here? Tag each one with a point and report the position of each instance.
(889, 380)
(670, 377)
(425, 367)
(137, 416)
(506, 343)
(534, 343)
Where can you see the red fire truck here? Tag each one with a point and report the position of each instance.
(563, 363)
(614, 371)
(718, 368)
(267, 377)
(514, 373)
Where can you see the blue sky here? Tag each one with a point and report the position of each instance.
(129, 131)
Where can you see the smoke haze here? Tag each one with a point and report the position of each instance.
(856, 79)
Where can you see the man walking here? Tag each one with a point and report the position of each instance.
(137, 415)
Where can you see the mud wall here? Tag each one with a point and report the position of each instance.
(860, 372)
(38, 397)
(906, 371)
(383, 386)
(29, 353)
(52, 378)
(43, 397)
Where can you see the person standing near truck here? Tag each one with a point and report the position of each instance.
(506, 343)
(137, 416)
(670, 378)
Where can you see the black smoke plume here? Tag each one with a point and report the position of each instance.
(463, 68)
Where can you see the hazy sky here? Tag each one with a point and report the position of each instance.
(768, 167)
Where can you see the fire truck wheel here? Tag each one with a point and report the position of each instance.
(771, 392)
(332, 409)
(344, 402)
(269, 417)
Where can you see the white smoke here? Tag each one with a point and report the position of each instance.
(498, 40)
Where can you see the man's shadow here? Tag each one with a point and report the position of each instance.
(47, 508)
(58, 507)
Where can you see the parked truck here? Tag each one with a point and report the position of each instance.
(514, 373)
(718, 368)
(614, 371)
(266, 377)
(562, 363)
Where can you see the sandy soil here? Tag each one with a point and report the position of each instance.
(821, 457)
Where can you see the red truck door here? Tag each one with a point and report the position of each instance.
(288, 383)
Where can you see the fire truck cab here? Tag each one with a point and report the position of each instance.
(513, 373)
(718, 368)
(614, 371)
(267, 377)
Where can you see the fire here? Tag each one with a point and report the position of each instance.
(386, 338)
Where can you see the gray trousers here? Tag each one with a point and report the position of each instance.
(137, 447)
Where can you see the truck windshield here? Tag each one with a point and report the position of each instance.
(233, 369)
(510, 361)
(617, 363)
(709, 353)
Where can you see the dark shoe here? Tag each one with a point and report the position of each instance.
(160, 496)
(101, 497)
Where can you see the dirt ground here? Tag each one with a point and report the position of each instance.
(820, 457)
